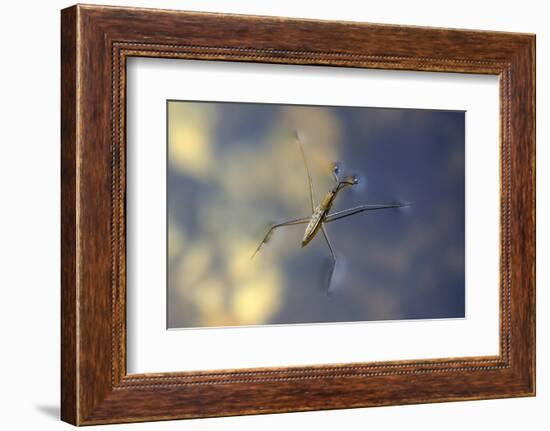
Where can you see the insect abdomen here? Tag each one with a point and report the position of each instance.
(313, 225)
(317, 218)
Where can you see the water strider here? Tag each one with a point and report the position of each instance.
(320, 214)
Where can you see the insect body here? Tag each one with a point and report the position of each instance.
(320, 214)
(314, 224)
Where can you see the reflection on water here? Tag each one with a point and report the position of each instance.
(234, 169)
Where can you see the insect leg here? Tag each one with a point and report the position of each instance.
(323, 229)
(267, 236)
(351, 211)
(311, 189)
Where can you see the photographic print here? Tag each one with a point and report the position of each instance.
(295, 214)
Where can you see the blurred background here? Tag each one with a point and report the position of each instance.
(235, 168)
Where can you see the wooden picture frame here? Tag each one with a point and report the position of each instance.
(95, 43)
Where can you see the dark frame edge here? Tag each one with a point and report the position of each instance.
(533, 54)
(529, 62)
(69, 411)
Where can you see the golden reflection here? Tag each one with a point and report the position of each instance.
(195, 263)
(190, 146)
(240, 266)
(208, 296)
(255, 301)
(214, 278)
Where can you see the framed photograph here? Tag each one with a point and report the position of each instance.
(263, 214)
